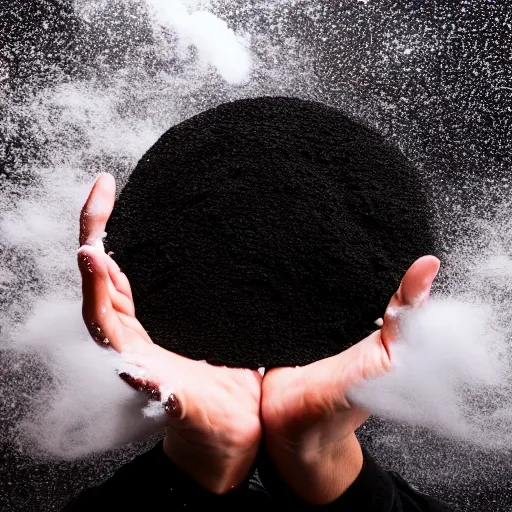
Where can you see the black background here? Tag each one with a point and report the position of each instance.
(446, 104)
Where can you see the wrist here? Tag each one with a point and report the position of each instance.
(214, 472)
(320, 476)
(200, 467)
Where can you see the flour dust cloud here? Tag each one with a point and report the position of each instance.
(102, 80)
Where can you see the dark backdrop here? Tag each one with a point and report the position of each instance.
(434, 76)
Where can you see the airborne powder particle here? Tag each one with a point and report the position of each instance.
(105, 119)
(130, 89)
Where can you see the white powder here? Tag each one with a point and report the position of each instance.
(453, 363)
(201, 54)
(87, 407)
(103, 121)
(215, 42)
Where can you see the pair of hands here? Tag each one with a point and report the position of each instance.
(216, 415)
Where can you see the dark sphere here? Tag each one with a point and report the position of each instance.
(268, 232)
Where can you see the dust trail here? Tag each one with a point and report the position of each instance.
(453, 363)
(172, 59)
(127, 73)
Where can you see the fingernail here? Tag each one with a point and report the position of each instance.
(97, 336)
(173, 405)
(141, 385)
(128, 379)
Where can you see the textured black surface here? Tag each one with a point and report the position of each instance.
(267, 232)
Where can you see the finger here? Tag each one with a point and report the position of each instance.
(414, 290)
(417, 282)
(120, 302)
(170, 403)
(119, 288)
(119, 279)
(96, 210)
(98, 310)
(142, 384)
(133, 324)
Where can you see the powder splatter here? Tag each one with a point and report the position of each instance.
(87, 87)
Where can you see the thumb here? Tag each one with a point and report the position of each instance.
(414, 291)
(371, 357)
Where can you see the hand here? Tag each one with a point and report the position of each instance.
(308, 418)
(213, 413)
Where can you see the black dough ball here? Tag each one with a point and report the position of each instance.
(268, 232)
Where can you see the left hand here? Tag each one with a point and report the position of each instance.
(213, 413)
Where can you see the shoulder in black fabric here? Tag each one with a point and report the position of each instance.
(267, 232)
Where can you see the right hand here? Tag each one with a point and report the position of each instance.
(308, 417)
(213, 413)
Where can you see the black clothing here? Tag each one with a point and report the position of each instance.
(274, 229)
(153, 482)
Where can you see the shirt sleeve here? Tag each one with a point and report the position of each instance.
(374, 490)
(152, 481)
